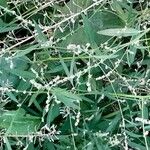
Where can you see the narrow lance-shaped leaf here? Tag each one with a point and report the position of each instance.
(119, 32)
(6, 27)
(40, 37)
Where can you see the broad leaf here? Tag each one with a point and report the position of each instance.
(68, 98)
(18, 123)
(75, 6)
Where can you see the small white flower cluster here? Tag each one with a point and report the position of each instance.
(51, 135)
(37, 85)
(5, 89)
(88, 84)
(65, 111)
(105, 47)
(95, 0)
(114, 140)
(10, 62)
(101, 134)
(90, 118)
(47, 102)
(53, 82)
(56, 99)
(78, 49)
(101, 98)
(146, 133)
(130, 87)
(112, 71)
(77, 118)
(144, 121)
(105, 75)
(8, 10)
(75, 48)
(35, 72)
(57, 80)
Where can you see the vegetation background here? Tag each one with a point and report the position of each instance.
(74, 74)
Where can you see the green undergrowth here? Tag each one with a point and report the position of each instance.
(74, 74)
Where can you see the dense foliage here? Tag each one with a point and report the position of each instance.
(74, 74)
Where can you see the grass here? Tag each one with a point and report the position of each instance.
(74, 74)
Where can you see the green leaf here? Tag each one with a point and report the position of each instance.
(65, 68)
(48, 145)
(41, 38)
(20, 53)
(132, 134)
(12, 96)
(131, 54)
(118, 8)
(136, 146)
(18, 123)
(113, 123)
(68, 98)
(102, 20)
(72, 39)
(53, 113)
(75, 6)
(145, 110)
(21, 73)
(3, 3)
(89, 31)
(6, 27)
(33, 98)
(119, 32)
(6, 76)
